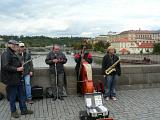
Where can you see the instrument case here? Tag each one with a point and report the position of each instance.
(37, 92)
(94, 107)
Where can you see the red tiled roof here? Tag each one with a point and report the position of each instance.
(124, 50)
(120, 40)
(145, 45)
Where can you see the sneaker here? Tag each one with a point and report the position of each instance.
(114, 98)
(26, 112)
(107, 98)
(15, 114)
(30, 101)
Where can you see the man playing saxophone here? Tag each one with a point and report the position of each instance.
(111, 70)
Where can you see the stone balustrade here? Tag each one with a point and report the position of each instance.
(132, 77)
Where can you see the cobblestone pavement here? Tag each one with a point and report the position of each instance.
(141, 104)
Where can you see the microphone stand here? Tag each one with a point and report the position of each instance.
(56, 75)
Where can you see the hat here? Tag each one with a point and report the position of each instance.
(21, 45)
(14, 42)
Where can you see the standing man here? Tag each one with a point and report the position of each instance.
(28, 70)
(110, 78)
(11, 75)
(55, 59)
(79, 57)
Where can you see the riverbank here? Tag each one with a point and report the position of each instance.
(133, 58)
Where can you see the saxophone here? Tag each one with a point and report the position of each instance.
(112, 68)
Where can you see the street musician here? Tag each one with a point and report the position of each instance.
(83, 56)
(111, 70)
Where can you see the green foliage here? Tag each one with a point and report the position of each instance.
(141, 51)
(101, 46)
(156, 48)
(2, 46)
(78, 45)
(42, 41)
(147, 50)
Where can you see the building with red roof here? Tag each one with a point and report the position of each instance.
(135, 41)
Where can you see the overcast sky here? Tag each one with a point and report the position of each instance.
(77, 17)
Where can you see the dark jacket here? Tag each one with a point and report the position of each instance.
(108, 61)
(59, 66)
(29, 66)
(77, 57)
(9, 63)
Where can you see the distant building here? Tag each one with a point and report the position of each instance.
(135, 41)
(131, 41)
(124, 46)
(106, 38)
(143, 36)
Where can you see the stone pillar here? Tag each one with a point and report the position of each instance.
(71, 80)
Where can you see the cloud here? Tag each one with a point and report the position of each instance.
(77, 17)
(34, 26)
(86, 34)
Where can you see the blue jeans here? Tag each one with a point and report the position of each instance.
(28, 86)
(12, 92)
(110, 85)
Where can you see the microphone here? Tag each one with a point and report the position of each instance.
(55, 57)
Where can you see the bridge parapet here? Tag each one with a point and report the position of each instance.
(132, 77)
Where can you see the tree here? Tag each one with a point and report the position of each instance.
(141, 51)
(101, 46)
(156, 48)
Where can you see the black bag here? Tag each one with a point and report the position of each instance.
(83, 115)
(1, 96)
(100, 86)
(49, 92)
(37, 92)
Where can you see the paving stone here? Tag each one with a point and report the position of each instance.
(141, 104)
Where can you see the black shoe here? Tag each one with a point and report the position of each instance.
(61, 98)
(26, 112)
(54, 98)
(80, 95)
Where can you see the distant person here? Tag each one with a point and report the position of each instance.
(83, 55)
(55, 59)
(11, 75)
(28, 70)
(110, 79)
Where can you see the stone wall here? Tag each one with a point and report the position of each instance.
(133, 77)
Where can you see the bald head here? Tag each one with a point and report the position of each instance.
(56, 48)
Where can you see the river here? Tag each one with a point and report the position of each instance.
(40, 61)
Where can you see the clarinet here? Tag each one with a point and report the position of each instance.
(22, 80)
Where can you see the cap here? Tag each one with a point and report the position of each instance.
(21, 45)
(14, 42)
